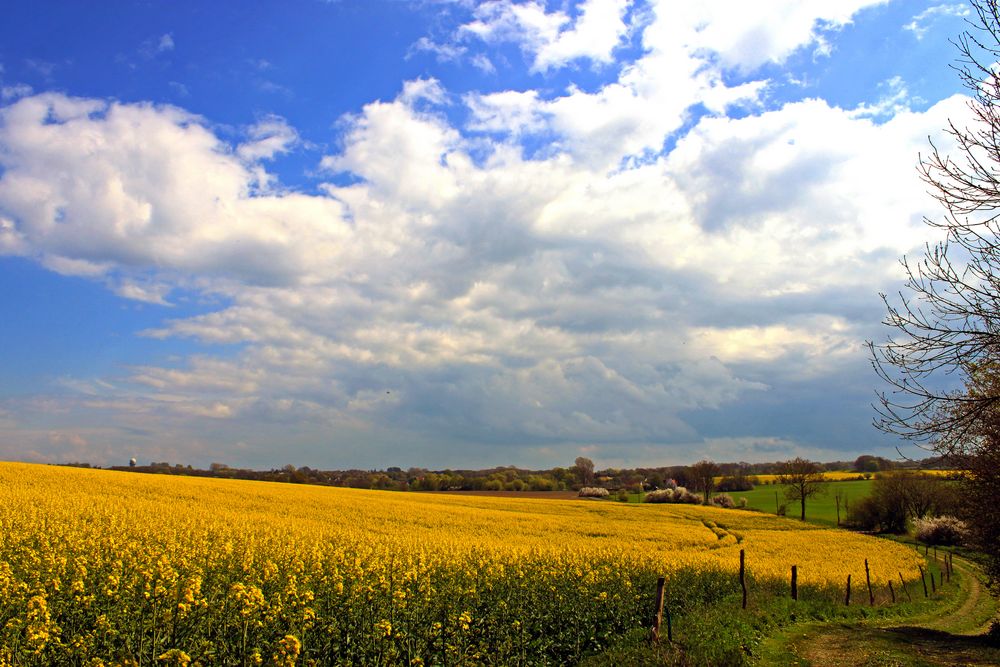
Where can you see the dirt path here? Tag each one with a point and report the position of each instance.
(958, 620)
(951, 638)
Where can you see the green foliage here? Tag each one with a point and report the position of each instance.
(897, 498)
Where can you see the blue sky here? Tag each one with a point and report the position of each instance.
(457, 234)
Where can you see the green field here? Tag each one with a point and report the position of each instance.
(821, 509)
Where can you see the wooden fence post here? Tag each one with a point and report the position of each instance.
(868, 578)
(743, 581)
(933, 587)
(795, 582)
(902, 582)
(922, 579)
(658, 610)
(847, 597)
(892, 592)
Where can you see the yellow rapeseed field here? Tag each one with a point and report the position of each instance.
(102, 567)
(844, 475)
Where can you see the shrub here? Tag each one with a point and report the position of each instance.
(743, 503)
(866, 514)
(678, 495)
(941, 530)
(735, 483)
(515, 485)
(723, 500)
(659, 496)
(593, 492)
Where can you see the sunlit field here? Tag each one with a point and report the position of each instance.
(847, 475)
(820, 509)
(127, 568)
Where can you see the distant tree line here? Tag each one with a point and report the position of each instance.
(703, 476)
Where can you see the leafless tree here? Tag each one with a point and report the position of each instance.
(947, 317)
(704, 472)
(803, 479)
(584, 469)
(946, 320)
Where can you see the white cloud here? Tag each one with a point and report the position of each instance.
(895, 100)
(443, 52)
(13, 92)
(553, 39)
(422, 90)
(483, 63)
(744, 36)
(462, 288)
(508, 112)
(740, 35)
(687, 49)
(594, 35)
(513, 299)
(270, 136)
(919, 25)
(146, 292)
(166, 43)
(154, 47)
(91, 183)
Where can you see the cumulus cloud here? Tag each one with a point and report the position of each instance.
(552, 39)
(509, 112)
(90, 184)
(460, 288)
(268, 137)
(745, 36)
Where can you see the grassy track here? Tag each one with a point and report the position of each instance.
(951, 634)
(944, 628)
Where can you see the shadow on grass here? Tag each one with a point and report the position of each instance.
(902, 645)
